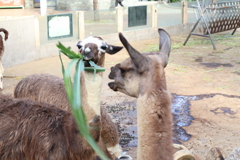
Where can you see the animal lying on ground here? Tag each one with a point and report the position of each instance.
(50, 89)
(1, 54)
(30, 130)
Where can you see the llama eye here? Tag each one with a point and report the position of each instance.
(104, 47)
(122, 71)
(79, 46)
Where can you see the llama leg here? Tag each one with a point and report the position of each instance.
(109, 134)
(1, 75)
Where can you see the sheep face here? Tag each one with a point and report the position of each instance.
(94, 48)
(140, 73)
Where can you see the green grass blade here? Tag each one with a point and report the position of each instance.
(60, 57)
(68, 81)
(91, 69)
(67, 51)
(77, 87)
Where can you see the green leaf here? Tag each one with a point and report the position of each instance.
(91, 69)
(68, 81)
(67, 51)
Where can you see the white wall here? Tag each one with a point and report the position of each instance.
(23, 44)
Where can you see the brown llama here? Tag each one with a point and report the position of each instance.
(1, 54)
(50, 89)
(30, 130)
(142, 76)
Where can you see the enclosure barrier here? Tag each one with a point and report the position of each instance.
(41, 33)
(215, 17)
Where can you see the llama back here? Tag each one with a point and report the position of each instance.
(43, 88)
(32, 130)
(50, 89)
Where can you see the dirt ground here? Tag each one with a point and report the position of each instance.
(207, 81)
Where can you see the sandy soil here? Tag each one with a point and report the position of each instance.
(195, 70)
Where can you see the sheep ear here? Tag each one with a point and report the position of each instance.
(113, 49)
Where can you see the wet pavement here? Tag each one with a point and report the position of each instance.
(124, 115)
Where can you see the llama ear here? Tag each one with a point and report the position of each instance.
(5, 32)
(140, 61)
(111, 49)
(164, 45)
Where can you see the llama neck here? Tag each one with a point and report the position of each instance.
(154, 126)
(93, 84)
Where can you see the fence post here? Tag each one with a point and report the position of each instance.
(37, 34)
(81, 25)
(184, 12)
(119, 19)
(43, 7)
(154, 16)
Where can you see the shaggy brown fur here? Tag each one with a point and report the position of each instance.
(31, 130)
(142, 76)
(39, 87)
(36, 87)
(50, 89)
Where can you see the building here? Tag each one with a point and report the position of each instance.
(77, 4)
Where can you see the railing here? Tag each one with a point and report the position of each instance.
(87, 23)
(214, 18)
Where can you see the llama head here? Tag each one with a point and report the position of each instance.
(94, 48)
(141, 72)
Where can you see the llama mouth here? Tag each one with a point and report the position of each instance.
(112, 86)
(87, 58)
(112, 73)
(110, 76)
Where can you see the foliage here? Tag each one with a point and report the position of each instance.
(73, 93)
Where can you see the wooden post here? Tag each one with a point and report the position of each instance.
(37, 34)
(119, 18)
(184, 12)
(154, 16)
(81, 25)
